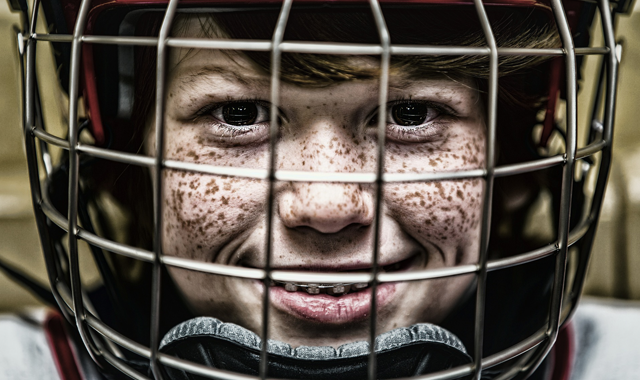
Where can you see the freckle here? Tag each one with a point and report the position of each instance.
(193, 155)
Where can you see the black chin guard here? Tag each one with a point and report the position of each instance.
(410, 351)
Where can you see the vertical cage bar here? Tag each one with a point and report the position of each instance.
(29, 119)
(492, 109)
(46, 158)
(557, 290)
(568, 172)
(610, 64)
(274, 131)
(34, 18)
(157, 189)
(74, 158)
(612, 72)
(30, 76)
(597, 99)
(385, 43)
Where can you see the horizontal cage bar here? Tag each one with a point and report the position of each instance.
(49, 138)
(591, 149)
(306, 176)
(313, 47)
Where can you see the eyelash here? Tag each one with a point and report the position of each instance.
(439, 107)
(209, 108)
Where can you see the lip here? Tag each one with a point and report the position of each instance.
(324, 308)
(329, 309)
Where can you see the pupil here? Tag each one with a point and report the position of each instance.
(410, 113)
(240, 113)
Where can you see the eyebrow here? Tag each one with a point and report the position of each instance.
(226, 74)
(399, 83)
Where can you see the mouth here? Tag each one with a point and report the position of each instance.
(335, 304)
(341, 289)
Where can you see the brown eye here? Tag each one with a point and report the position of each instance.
(409, 114)
(244, 113)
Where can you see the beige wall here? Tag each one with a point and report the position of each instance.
(619, 234)
(18, 237)
(616, 254)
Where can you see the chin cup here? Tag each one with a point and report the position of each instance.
(420, 349)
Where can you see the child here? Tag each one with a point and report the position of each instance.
(220, 219)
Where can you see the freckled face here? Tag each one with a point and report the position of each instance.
(217, 113)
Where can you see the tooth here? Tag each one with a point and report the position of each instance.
(360, 285)
(289, 287)
(313, 289)
(338, 289)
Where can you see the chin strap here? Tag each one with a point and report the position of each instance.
(409, 351)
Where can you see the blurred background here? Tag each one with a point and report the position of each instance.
(616, 255)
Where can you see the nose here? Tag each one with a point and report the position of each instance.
(327, 208)
(325, 137)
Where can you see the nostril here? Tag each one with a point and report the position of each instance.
(328, 227)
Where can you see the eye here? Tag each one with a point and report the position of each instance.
(412, 113)
(239, 114)
(235, 123)
(411, 121)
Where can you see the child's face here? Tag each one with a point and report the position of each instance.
(217, 113)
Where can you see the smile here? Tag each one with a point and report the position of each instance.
(339, 289)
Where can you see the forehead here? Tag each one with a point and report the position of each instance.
(206, 69)
(305, 69)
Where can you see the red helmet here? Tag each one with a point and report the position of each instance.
(440, 131)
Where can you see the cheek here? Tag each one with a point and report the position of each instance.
(445, 214)
(202, 213)
(217, 296)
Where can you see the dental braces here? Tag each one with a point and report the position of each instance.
(331, 289)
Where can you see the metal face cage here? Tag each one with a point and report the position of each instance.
(106, 345)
